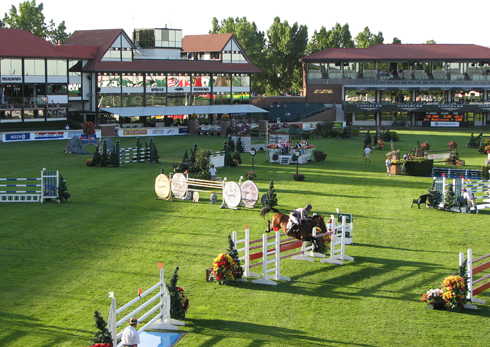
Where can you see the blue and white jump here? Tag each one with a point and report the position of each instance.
(45, 187)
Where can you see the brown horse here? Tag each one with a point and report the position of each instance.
(280, 220)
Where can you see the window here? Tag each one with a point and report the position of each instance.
(57, 67)
(11, 67)
(74, 90)
(34, 67)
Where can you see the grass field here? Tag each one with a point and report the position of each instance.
(60, 260)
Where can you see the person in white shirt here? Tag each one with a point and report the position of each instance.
(388, 166)
(297, 216)
(367, 150)
(130, 336)
(470, 198)
(212, 172)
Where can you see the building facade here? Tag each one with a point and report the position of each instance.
(101, 72)
(412, 84)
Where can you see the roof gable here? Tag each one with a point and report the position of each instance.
(205, 43)
(404, 52)
(20, 43)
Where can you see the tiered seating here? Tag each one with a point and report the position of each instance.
(334, 74)
(407, 74)
(370, 74)
(350, 74)
(420, 75)
(292, 111)
(476, 74)
(439, 74)
(455, 75)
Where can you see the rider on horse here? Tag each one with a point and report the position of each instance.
(297, 216)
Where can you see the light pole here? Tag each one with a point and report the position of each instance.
(253, 152)
(297, 154)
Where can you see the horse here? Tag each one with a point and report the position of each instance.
(280, 220)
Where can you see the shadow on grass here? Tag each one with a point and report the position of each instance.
(289, 336)
(382, 274)
(19, 326)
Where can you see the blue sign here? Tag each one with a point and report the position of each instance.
(18, 137)
(182, 130)
(49, 135)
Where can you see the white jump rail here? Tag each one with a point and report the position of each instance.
(276, 261)
(337, 255)
(161, 311)
(471, 271)
(45, 187)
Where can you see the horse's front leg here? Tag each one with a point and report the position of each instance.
(268, 226)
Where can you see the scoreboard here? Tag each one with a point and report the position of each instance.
(444, 117)
(435, 119)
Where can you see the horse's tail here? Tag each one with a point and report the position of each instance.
(266, 210)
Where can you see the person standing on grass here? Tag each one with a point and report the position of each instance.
(470, 198)
(212, 172)
(130, 336)
(388, 166)
(367, 151)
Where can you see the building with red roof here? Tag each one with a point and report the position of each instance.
(101, 73)
(416, 84)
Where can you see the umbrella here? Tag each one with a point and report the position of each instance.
(290, 130)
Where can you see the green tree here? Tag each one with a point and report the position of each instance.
(366, 38)
(431, 42)
(396, 40)
(252, 41)
(271, 196)
(176, 308)
(30, 17)
(338, 37)
(102, 335)
(286, 45)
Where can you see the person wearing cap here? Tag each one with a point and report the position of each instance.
(212, 172)
(130, 336)
(388, 166)
(469, 198)
(297, 216)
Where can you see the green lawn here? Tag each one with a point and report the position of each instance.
(60, 260)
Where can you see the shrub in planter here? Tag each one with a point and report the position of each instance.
(319, 156)
(251, 175)
(298, 177)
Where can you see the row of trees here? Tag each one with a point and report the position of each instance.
(278, 50)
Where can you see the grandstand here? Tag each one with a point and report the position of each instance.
(294, 111)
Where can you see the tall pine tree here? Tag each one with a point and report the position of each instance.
(176, 307)
(234, 254)
(103, 335)
(271, 197)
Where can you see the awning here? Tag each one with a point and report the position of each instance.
(177, 110)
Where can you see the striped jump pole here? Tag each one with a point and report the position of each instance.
(472, 270)
(276, 261)
(245, 259)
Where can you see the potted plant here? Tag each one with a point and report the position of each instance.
(434, 299)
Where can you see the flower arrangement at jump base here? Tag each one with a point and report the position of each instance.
(224, 269)
(102, 345)
(452, 295)
(433, 297)
(88, 128)
(455, 291)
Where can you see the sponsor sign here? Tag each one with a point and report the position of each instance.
(444, 124)
(178, 185)
(232, 194)
(201, 89)
(162, 186)
(156, 90)
(11, 79)
(250, 194)
(17, 137)
(49, 135)
(135, 132)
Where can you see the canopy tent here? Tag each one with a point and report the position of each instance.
(176, 110)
